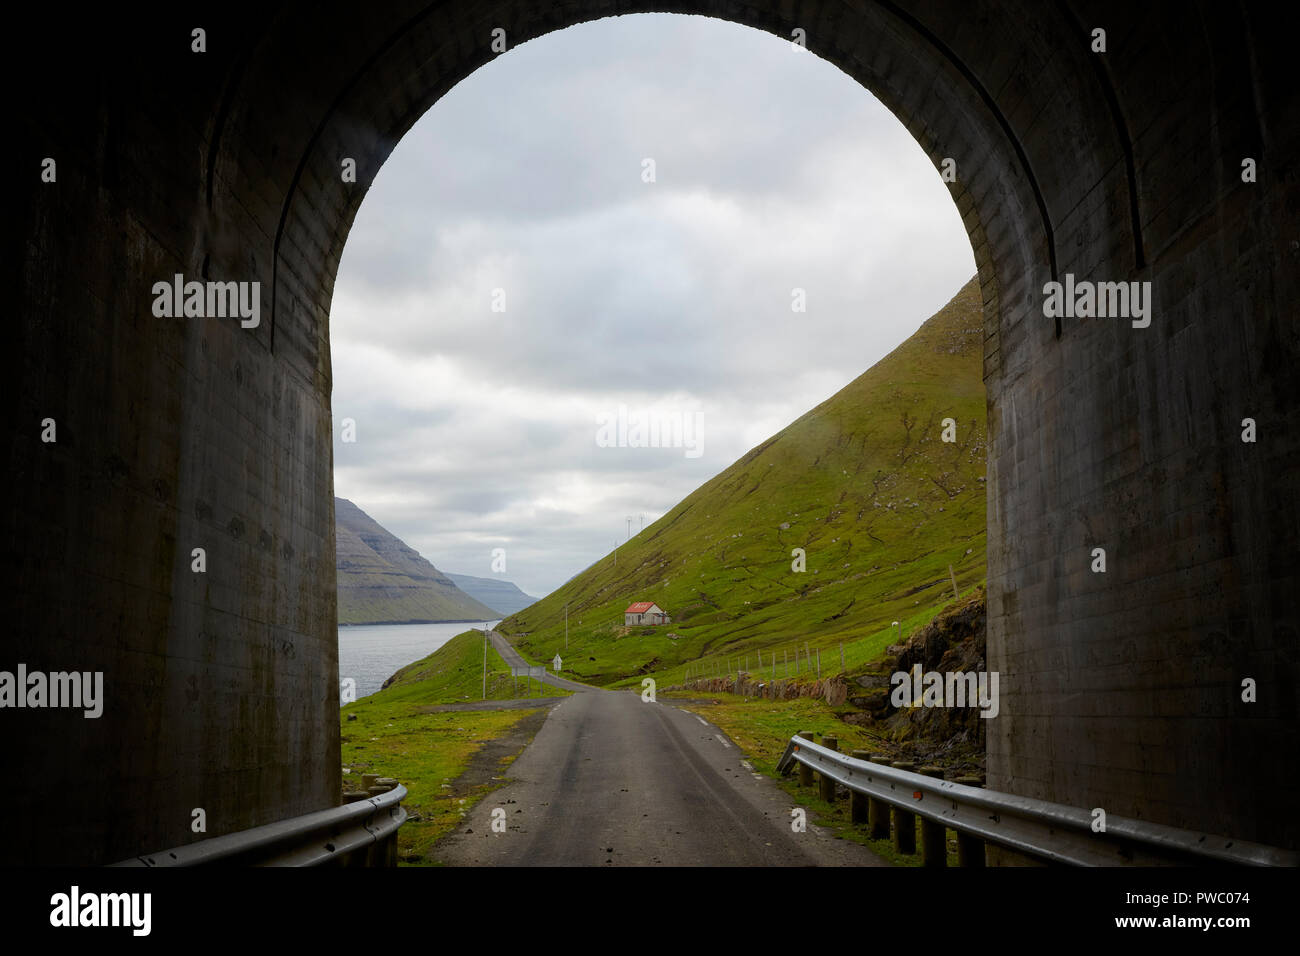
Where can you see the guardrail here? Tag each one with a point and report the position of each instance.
(1046, 831)
(361, 833)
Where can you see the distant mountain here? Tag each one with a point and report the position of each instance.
(383, 581)
(504, 596)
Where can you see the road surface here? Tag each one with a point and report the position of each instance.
(613, 780)
(513, 658)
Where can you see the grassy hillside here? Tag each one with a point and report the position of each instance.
(863, 483)
(383, 581)
(453, 674)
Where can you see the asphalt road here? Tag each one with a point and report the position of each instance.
(512, 656)
(612, 780)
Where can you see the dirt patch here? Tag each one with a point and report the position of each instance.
(485, 768)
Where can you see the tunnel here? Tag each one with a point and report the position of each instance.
(1151, 144)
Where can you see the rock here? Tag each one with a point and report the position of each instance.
(872, 681)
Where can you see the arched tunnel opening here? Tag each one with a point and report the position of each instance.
(1159, 154)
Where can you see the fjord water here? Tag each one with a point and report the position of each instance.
(372, 653)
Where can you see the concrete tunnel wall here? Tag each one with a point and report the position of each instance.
(1119, 690)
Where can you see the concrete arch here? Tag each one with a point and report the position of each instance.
(1123, 165)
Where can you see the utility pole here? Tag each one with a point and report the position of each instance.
(485, 640)
(566, 625)
(642, 524)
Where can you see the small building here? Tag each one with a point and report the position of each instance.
(645, 612)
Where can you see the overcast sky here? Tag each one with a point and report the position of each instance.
(773, 171)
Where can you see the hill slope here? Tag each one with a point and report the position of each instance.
(382, 581)
(502, 596)
(863, 483)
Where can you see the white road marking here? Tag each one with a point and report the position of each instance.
(723, 742)
(702, 720)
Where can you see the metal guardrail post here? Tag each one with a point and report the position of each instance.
(877, 809)
(904, 820)
(970, 848)
(830, 742)
(1037, 829)
(858, 801)
(805, 771)
(934, 843)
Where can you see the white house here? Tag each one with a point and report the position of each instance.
(645, 612)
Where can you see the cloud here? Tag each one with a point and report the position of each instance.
(775, 172)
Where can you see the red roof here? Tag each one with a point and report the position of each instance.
(640, 607)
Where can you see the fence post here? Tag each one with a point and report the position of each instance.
(805, 771)
(877, 809)
(830, 742)
(904, 820)
(858, 801)
(934, 844)
(970, 848)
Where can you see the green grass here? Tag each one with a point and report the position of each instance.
(863, 483)
(395, 735)
(426, 753)
(453, 674)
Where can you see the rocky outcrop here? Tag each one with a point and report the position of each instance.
(953, 641)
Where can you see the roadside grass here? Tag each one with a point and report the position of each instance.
(761, 729)
(425, 753)
(394, 735)
(453, 674)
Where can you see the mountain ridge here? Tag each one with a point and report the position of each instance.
(505, 597)
(382, 580)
